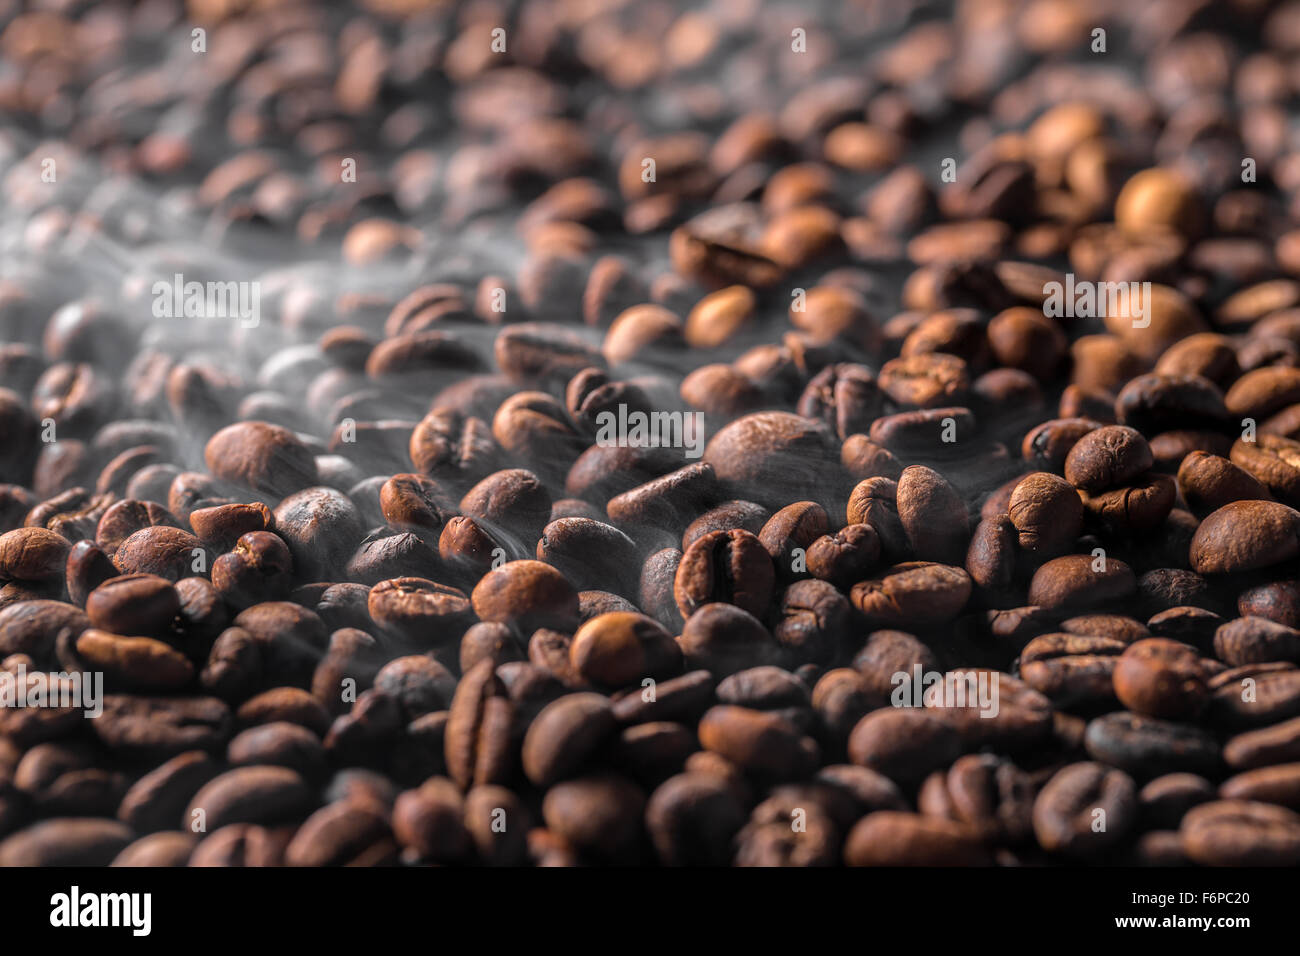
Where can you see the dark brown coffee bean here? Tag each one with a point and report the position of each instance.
(125, 518)
(916, 592)
(1272, 461)
(1166, 800)
(161, 727)
(1086, 811)
(31, 627)
(600, 815)
(342, 835)
(88, 567)
(1048, 445)
(1244, 536)
(428, 822)
(895, 838)
(1161, 678)
(1278, 601)
(590, 554)
(258, 568)
(724, 566)
(692, 818)
(32, 554)
(513, 501)
(565, 735)
(321, 527)
(762, 456)
(1079, 581)
(161, 551)
(167, 848)
(1241, 833)
(66, 841)
(723, 638)
(134, 663)
(1254, 640)
(761, 743)
(260, 456)
(1278, 785)
(1071, 669)
(1046, 512)
(903, 743)
(990, 794)
(1146, 747)
(621, 648)
(1107, 457)
(933, 516)
(1279, 743)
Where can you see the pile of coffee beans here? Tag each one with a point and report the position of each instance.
(726, 433)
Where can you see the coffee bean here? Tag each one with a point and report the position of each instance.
(1147, 747)
(724, 566)
(32, 554)
(919, 591)
(565, 736)
(1244, 536)
(1085, 811)
(896, 838)
(1107, 457)
(762, 743)
(1241, 833)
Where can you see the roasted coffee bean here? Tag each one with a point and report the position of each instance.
(1166, 800)
(258, 568)
(135, 663)
(760, 456)
(526, 595)
(590, 554)
(1146, 747)
(88, 567)
(723, 638)
(903, 743)
(565, 735)
(263, 457)
(1070, 669)
(692, 818)
(514, 501)
(1241, 833)
(1078, 582)
(1161, 678)
(124, 518)
(933, 516)
(989, 794)
(1046, 512)
(321, 527)
(919, 591)
(66, 841)
(1254, 640)
(162, 551)
(1107, 457)
(1245, 536)
(428, 822)
(1208, 482)
(896, 838)
(724, 566)
(621, 648)
(32, 554)
(763, 744)
(1069, 809)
